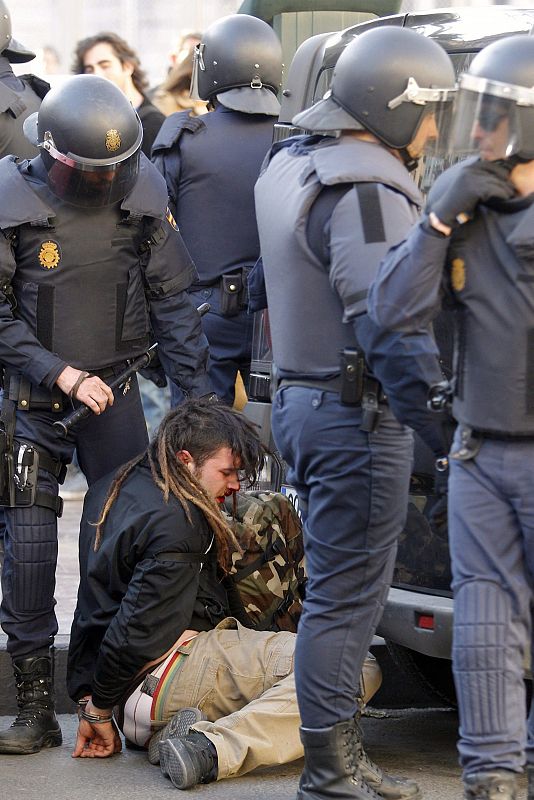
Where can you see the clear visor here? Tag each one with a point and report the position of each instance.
(487, 120)
(433, 132)
(90, 185)
(198, 65)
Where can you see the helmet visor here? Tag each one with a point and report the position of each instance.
(89, 185)
(433, 131)
(487, 118)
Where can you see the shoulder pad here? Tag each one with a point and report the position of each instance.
(173, 127)
(24, 205)
(39, 86)
(149, 197)
(11, 101)
(299, 142)
(356, 161)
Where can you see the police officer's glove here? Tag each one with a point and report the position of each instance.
(475, 183)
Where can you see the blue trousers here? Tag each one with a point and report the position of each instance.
(102, 444)
(491, 531)
(230, 341)
(353, 489)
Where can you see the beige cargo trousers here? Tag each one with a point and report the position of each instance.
(243, 682)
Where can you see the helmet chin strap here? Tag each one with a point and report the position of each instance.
(409, 161)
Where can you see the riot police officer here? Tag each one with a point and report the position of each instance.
(210, 164)
(330, 206)
(19, 96)
(92, 271)
(473, 250)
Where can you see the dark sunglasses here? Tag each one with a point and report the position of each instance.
(489, 118)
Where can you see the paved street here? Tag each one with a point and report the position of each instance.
(416, 743)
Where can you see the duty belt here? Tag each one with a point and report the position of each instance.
(327, 385)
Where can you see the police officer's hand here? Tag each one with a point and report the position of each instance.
(472, 184)
(86, 388)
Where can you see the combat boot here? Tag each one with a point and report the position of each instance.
(390, 787)
(188, 760)
(499, 784)
(36, 725)
(331, 769)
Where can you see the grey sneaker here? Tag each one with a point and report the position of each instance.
(188, 760)
(178, 725)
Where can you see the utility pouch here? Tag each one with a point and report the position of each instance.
(352, 372)
(25, 469)
(371, 411)
(233, 291)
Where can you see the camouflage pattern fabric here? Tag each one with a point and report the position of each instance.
(269, 574)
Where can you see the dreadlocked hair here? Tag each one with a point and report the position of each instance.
(202, 429)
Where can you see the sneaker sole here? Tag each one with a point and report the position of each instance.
(177, 765)
(177, 726)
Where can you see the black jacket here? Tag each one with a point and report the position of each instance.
(134, 598)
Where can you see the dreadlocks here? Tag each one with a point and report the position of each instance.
(202, 429)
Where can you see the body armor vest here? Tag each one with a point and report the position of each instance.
(308, 341)
(219, 157)
(491, 273)
(79, 279)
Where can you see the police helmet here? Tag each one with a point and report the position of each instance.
(386, 81)
(14, 51)
(494, 110)
(90, 137)
(239, 61)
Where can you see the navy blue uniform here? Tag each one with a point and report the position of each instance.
(328, 209)
(210, 164)
(91, 289)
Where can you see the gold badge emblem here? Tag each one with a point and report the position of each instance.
(458, 274)
(49, 255)
(113, 140)
(170, 219)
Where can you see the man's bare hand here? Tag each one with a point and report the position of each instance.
(92, 391)
(96, 740)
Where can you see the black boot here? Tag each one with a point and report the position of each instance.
(390, 787)
(331, 765)
(530, 776)
(188, 760)
(500, 784)
(36, 725)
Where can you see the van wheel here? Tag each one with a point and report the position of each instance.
(434, 675)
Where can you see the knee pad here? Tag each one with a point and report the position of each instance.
(31, 557)
(482, 617)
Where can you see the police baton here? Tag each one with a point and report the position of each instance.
(63, 426)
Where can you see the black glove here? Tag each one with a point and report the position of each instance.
(474, 183)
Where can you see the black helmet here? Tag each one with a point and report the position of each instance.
(494, 110)
(14, 51)
(90, 138)
(239, 61)
(385, 81)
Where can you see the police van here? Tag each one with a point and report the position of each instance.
(417, 621)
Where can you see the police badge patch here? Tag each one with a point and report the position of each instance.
(113, 140)
(458, 274)
(49, 255)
